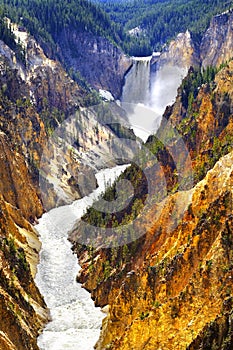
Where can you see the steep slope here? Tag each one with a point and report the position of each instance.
(217, 42)
(99, 61)
(36, 97)
(171, 288)
(23, 311)
(184, 282)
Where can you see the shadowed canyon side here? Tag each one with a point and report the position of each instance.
(172, 288)
(101, 63)
(217, 43)
(43, 93)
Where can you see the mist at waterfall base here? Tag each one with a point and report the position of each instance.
(76, 322)
(150, 92)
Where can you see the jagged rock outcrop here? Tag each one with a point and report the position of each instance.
(100, 62)
(216, 46)
(181, 53)
(217, 42)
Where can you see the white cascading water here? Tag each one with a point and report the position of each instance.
(153, 90)
(75, 321)
(164, 84)
(137, 82)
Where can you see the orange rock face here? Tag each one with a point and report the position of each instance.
(172, 288)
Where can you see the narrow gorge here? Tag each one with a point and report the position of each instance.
(116, 182)
(71, 310)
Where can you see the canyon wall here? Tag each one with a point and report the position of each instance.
(181, 53)
(171, 288)
(217, 42)
(36, 97)
(215, 48)
(101, 63)
(23, 311)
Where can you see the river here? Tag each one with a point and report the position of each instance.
(76, 322)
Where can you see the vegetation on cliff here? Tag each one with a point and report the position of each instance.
(60, 29)
(7, 36)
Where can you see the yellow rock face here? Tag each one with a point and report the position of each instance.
(175, 290)
(185, 278)
(16, 186)
(22, 308)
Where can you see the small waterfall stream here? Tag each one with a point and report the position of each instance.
(75, 321)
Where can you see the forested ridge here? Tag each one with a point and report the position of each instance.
(46, 19)
(158, 21)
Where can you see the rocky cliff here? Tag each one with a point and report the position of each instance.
(181, 53)
(23, 311)
(56, 104)
(217, 43)
(215, 48)
(100, 62)
(171, 288)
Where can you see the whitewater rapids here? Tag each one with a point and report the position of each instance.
(76, 322)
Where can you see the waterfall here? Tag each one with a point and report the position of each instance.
(137, 82)
(147, 93)
(164, 84)
(136, 96)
